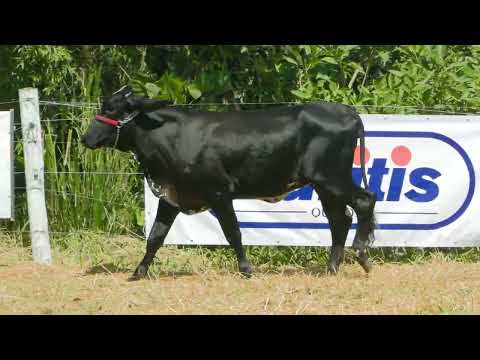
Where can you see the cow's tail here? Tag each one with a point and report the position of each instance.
(371, 197)
(361, 136)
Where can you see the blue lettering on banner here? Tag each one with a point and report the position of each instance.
(422, 180)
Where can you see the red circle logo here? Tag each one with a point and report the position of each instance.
(401, 155)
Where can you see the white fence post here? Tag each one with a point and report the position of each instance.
(34, 176)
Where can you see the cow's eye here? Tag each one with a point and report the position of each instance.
(107, 111)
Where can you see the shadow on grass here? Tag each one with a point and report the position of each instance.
(318, 271)
(314, 270)
(111, 268)
(170, 274)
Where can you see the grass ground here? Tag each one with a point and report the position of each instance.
(89, 276)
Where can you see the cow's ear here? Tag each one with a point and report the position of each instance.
(138, 103)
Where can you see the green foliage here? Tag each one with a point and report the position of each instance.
(77, 201)
(436, 77)
(43, 66)
(445, 78)
(429, 76)
(440, 77)
(77, 196)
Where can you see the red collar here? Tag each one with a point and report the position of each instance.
(107, 120)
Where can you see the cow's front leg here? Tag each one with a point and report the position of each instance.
(223, 207)
(166, 214)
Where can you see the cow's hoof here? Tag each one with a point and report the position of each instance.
(366, 265)
(332, 269)
(357, 244)
(135, 278)
(140, 273)
(246, 275)
(246, 270)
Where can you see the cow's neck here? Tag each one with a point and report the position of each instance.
(155, 155)
(130, 141)
(126, 141)
(153, 159)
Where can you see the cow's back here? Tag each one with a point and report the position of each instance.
(254, 153)
(330, 118)
(264, 151)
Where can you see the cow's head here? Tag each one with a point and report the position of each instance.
(117, 111)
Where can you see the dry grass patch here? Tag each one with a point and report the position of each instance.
(438, 286)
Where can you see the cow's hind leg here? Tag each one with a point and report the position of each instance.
(335, 210)
(363, 202)
(223, 207)
(166, 214)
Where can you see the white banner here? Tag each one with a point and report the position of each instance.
(6, 165)
(424, 170)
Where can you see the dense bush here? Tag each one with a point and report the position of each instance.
(393, 79)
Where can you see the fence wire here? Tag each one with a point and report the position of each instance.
(71, 120)
(441, 109)
(79, 104)
(70, 232)
(70, 104)
(9, 102)
(60, 191)
(75, 195)
(411, 107)
(66, 193)
(85, 173)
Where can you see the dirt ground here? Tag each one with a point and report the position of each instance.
(437, 287)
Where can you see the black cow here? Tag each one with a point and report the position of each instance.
(204, 160)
